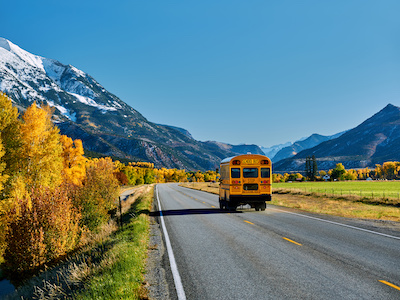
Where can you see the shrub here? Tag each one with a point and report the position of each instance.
(121, 177)
(98, 194)
(42, 228)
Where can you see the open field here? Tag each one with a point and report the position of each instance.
(315, 200)
(368, 189)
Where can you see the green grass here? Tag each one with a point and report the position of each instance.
(368, 189)
(123, 265)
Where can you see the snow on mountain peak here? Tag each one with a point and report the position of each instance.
(33, 60)
(5, 44)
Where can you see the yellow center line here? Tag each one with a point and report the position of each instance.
(248, 222)
(390, 284)
(289, 240)
(212, 206)
(204, 202)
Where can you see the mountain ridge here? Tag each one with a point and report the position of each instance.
(374, 141)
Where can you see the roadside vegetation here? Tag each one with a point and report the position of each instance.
(110, 264)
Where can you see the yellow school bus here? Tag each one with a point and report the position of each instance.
(245, 179)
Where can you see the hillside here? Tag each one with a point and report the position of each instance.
(298, 146)
(84, 109)
(374, 141)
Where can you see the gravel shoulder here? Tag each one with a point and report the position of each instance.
(156, 280)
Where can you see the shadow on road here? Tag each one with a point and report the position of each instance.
(195, 211)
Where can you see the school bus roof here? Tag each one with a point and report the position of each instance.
(229, 159)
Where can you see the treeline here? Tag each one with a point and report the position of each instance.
(51, 196)
(387, 171)
(145, 173)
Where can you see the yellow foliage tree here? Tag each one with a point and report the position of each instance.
(9, 159)
(41, 148)
(10, 137)
(74, 168)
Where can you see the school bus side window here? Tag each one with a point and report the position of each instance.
(235, 172)
(265, 172)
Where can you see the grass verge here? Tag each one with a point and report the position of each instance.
(122, 276)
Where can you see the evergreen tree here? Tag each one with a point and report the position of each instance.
(314, 171)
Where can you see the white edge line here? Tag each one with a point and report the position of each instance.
(174, 268)
(336, 223)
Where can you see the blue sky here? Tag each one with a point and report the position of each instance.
(254, 72)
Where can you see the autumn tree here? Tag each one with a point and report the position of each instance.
(44, 229)
(338, 172)
(74, 168)
(98, 194)
(10, 146)
(390, 169)
(41, 148)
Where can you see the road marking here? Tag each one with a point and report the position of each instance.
(248, 222)
(289, 240)
(204, 202)
(390, 284)
(336, 223)
(174, 268)
(212, 206)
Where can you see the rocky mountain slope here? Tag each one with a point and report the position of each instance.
(84, 109)
(374, 141)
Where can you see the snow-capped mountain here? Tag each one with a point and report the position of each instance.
(84, 109)
(273, 150)
(26, 77)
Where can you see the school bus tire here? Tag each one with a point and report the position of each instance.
(230, 207)
(221, 204)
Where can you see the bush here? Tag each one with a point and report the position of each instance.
(42, 228)
(121, 177)
(98, 194)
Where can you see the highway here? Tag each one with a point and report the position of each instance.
(274, 254)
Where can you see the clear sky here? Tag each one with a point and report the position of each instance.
(255, 72)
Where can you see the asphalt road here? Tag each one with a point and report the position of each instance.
(275, 254)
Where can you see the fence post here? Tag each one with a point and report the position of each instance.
(120, 212)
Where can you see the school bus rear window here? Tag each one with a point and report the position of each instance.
(265, 172)
(250, 172)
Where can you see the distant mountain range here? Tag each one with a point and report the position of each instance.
(374, 141)
(84, 109)
(283, 151)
